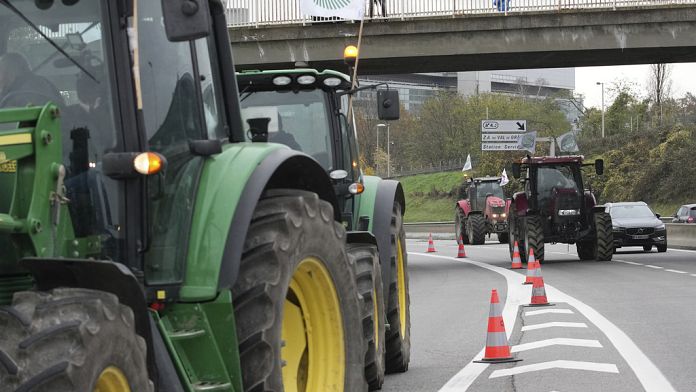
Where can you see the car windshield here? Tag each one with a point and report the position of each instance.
(298, 119)
(692, 212)
(635, 211)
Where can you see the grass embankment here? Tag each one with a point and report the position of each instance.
(431, 197)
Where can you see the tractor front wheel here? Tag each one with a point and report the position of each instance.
(476, 227)
(398, 337)
(296, 301)
(366, 259)
(534, 237)
(605, 236)
(71, 340)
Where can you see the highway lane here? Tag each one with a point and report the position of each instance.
(645, 296)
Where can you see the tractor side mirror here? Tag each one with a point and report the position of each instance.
(599, 166)
(388, 107)
(258, 129)
(186, 20)
(516, 169)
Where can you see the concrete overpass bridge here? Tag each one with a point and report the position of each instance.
(467, 35)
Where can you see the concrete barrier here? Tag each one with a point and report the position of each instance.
(679, 235)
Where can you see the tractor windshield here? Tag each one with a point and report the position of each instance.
(556, 179)
(54, 51)
(488, 188)
(299, 119)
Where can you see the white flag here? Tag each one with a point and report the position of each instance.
(346, 9)
(504, 178)
(467, 164)
(567, 142)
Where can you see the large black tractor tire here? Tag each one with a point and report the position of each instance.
(69, 340)
(460, 227)
(398, 337)
(534, 237)
(515, 235)
(294, 272)
(477, 229)
(366, 259)
(587, 250)
(503, 237)
(662, 248)
(605, 236)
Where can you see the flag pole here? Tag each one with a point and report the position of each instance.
(354, 81)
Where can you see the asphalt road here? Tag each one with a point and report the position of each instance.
(625, 325)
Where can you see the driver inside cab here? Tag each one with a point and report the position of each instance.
(19, 86)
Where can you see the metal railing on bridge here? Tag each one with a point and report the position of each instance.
(245, 13)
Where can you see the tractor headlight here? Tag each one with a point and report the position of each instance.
(568, 212)
(495, 216)
(503, 215)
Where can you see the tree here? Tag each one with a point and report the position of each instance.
(659, 84)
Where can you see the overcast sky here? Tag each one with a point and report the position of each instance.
(586, 78)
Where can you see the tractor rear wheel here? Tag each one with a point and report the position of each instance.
(398, 337)
(605, 236)
(70, 340)
(476, 229)
(366, 259)
(586, 250)
(503, 237)
(534, 237)
(296, 302)
(460, 227)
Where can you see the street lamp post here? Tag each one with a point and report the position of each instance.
(388, 153)
(602, 84)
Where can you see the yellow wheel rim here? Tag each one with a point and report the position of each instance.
(313, 355)
(401, 285)
(112, 379)
(375, 317)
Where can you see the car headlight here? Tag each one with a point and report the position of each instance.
(617, 228)
(660, 227)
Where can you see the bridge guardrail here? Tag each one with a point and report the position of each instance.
(255, 13)
(679, 235)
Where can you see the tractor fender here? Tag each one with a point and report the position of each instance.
(361, 237)
(465, 206)
(521, 203)
(230, 186)
(385, 193)
(590, 200)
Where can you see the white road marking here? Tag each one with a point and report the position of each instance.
(628, 262)
(545, 311)
(654, 266)
(647, 373)
(676, 271)
(694, 275)
(683, 250)
(573, 365)
(556, 342)
(553, 324)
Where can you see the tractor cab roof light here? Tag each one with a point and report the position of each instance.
(281, 80)
(306, 80)
(332, 82)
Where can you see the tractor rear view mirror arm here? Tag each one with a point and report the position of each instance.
(388, 105)
(598, 165)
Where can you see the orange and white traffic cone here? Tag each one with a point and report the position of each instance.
(431, 245)
(461, 253)
(516, 260)
(539, 292)
(532, 268)
(497, 347)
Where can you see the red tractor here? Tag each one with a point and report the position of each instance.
(482, 211)
(555, 207)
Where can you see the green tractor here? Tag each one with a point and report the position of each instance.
(146, 243)
(308, 111)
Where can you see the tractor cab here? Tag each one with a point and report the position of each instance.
(486, 192)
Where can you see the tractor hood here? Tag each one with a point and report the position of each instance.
(495, 201)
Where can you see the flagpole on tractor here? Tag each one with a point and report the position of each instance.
(354, 81)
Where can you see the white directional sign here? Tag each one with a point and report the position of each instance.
(497, 126)
(501, 137)
(499, 146)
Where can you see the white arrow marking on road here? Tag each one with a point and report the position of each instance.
(573, 365)
(557, 342)
(553, 324)
(545, 311)
(676, 271)
(647, 373)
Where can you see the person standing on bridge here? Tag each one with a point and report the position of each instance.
(502, 5)
(380, 3)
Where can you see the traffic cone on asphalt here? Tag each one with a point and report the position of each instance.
(532, 268)
(497, 347)
(431, 246)
(516, 260)
(539, 292)
(461, 253)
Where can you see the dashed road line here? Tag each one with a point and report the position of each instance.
(556, 342)
(676, 271)
(650, 377)
(546, 311)
(628, 262)
(560, 364)
(654, 266)
(552, 325)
